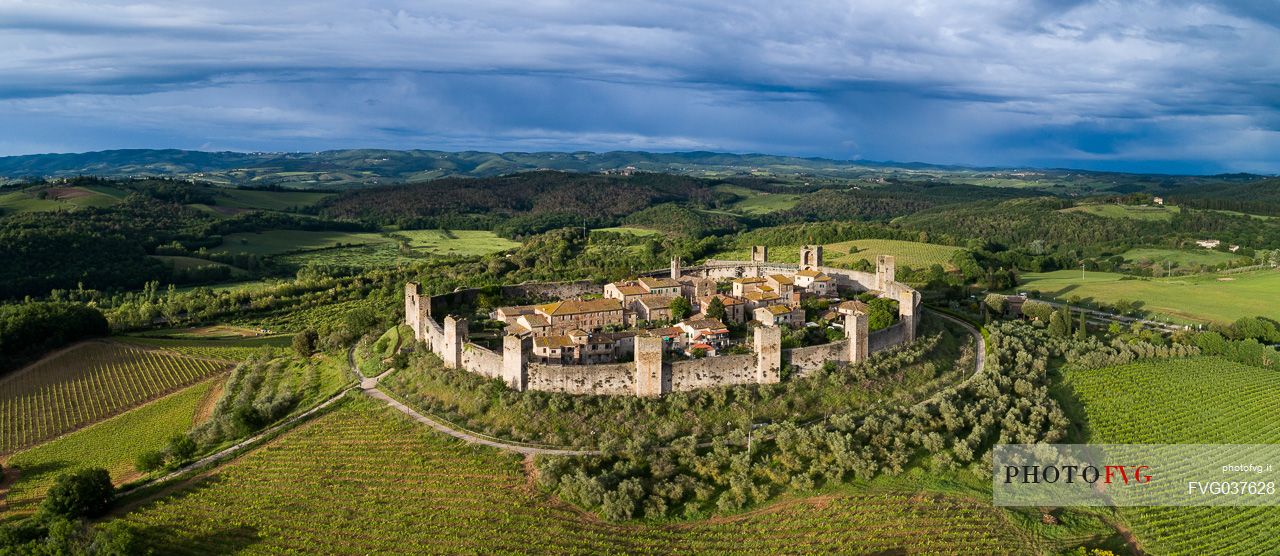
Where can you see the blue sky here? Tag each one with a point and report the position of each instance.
(1144, 86)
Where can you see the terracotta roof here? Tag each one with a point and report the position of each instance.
(853, 306)
(727, 300)
(777, 309)
(651, 283)
(821, 278)
(657, 301)
(749, 280)
(669, 332)
(762, 296)
(515, 310)
(706, 324)
(632, 289)
(781, 279)
(701, 346)
(553, 342)
(808, 273)
(535, 320)
(577, 307)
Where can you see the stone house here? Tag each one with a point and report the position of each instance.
(735, 308)
(815, 282)
(659, 286)
(653, 307)
(707, 331)
(576, 347)
(590, 315)
(777, 315)
(743, 286)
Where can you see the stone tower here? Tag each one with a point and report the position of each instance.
(455, 335)
(759, 254)
(885, 268)
(649, 366)
(515, 362)
(907, 300)
(416, 309)
(856, 328)
(810, 257)
(675, 267)
(768, 346)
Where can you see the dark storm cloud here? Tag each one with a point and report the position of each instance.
(1194, 85)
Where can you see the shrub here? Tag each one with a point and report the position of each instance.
(84, 493)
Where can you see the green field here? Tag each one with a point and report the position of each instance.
(269, 200)
(187, 263)
(1209, 297)
(1179, 257)
(58, 198)
(113, 444)
(759, 202)
(466, 243)
(274, 242)
(1202, 400)
(1153, 212)
(845, 253)
(364, 479)
(417, 245)
(85, 384)
(643, 232)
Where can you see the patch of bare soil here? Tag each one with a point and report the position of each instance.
(205, 410)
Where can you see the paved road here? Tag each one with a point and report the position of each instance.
(1102, 317)
(980, 343)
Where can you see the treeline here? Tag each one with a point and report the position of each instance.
(885, 203)
(485, 201)
(1040, 226)
(29, 330)
(1254, 197)
(108, 248)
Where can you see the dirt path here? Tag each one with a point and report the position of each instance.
(205, 410)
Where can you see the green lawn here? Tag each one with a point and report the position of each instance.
(759, 202)
(1205, 400)
(269, 200)
(643, 232)
(113, 444)
(1201, 298)
(274, 242)
(845, 253)
(1179, 257)
(185, 263)
(1153, 212)
(466, 243)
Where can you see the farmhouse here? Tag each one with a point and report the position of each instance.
(778, 315)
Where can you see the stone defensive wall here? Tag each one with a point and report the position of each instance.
(650, 374)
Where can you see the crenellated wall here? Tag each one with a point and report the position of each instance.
(650, 374)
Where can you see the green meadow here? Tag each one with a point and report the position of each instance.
(1220, 297)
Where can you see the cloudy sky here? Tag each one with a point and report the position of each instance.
(1145, 86)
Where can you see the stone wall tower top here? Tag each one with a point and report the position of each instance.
(810, 257)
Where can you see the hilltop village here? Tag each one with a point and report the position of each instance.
(721, 322)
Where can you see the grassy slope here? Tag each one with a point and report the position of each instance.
(282, 241)
(906, 253)
(269, 200)
(1153, 213)
(422, 244)
(1179, 257)
(1203, 400)
(1210, 297)
(113, 444)
(759, 202)
(365, 479)
(184, 263)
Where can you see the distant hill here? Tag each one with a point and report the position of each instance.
(373, 166)
(345, 169)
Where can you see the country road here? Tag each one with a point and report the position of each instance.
(369, 386)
